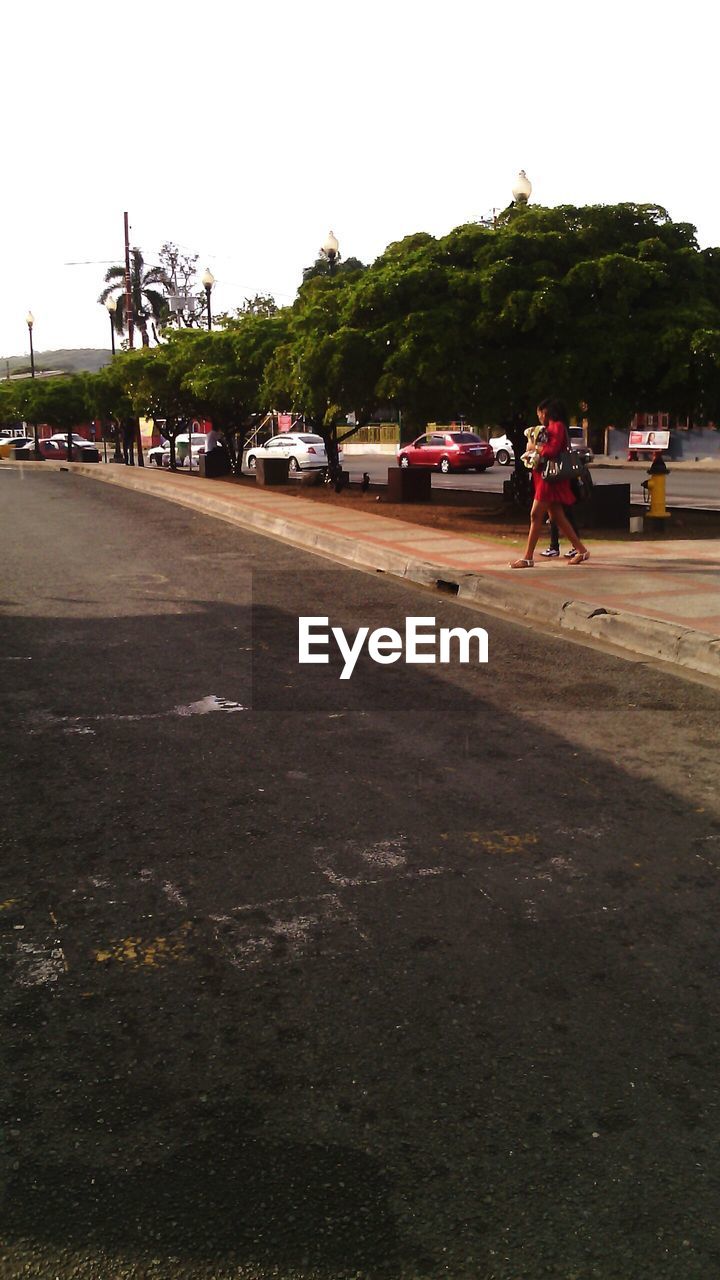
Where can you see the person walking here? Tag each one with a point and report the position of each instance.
(552, 497)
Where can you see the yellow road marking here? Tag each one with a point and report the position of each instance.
(150, 953)
(496, 841)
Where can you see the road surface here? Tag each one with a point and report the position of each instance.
(404, 977)
(699, 489)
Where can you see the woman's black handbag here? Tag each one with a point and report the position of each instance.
(566, 466)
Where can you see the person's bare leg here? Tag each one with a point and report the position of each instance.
(557, 514)
(537, 515)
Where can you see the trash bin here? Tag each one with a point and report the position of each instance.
(215, 463)
(608, 507)
(272, 471)
(406, 485)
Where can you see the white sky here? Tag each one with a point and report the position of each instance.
(245, 131)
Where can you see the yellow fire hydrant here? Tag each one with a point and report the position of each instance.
(654, 488)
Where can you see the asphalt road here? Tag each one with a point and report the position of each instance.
(404, 977)
(699, 489)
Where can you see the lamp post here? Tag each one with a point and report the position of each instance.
(208, 281)
(30, 321)
(522, 188)
(111, 305)
(331, 250)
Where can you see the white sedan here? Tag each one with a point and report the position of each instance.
(305, 452)
(503, 449)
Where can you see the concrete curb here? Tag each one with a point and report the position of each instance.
(662, 641)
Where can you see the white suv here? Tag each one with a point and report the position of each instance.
(305, 452)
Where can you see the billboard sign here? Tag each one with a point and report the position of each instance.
(649, 440)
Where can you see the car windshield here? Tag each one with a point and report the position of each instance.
(311, 439)
(465, 437)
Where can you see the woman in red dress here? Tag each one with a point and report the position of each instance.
(551, 496)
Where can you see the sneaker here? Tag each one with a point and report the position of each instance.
(549, 553)
(569, 554)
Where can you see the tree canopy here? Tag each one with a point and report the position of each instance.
(615, 307)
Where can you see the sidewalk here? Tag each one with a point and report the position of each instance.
(658, 599)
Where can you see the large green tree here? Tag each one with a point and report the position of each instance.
(223, 371)
(614, 306)
(109, 400)
(153, 382)
(60, 402)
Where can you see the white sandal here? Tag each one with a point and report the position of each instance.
(523, 564)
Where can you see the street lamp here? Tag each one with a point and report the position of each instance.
(30, 320)
(522, 188)
(331, 250)
(208, 281)
(111, 305)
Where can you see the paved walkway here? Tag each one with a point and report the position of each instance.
(660, 598)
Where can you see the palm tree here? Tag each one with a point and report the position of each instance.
(147, 303)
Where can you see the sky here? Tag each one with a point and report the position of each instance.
(244, 132)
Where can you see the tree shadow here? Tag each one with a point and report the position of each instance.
(493, 1054)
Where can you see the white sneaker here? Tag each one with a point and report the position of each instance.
(550, 553)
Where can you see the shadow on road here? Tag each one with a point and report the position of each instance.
(386, 978)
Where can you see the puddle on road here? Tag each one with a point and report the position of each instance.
(81, 724)
(211, 703)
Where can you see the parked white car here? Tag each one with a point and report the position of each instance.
(503, 450)
(505, 454)
(306, 452)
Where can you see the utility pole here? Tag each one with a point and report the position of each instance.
(131, 330)
(128, 291)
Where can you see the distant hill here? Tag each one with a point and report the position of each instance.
(82, 359)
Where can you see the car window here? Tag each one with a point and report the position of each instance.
(465, 437)
(437, 439)
(311, 439)
(421, 442)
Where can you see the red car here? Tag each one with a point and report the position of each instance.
(54, 449)
(448, 450)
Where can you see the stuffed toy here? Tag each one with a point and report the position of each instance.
(535, 436)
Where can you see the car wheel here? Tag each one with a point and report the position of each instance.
(404, 463)
(251, 462)
(445, 466)
(294, 464)
(503, 457)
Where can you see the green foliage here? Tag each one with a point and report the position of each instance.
(614, 306)
(61, 402)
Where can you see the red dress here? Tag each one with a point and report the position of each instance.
(553, 490)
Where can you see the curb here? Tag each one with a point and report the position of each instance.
(662, 641)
